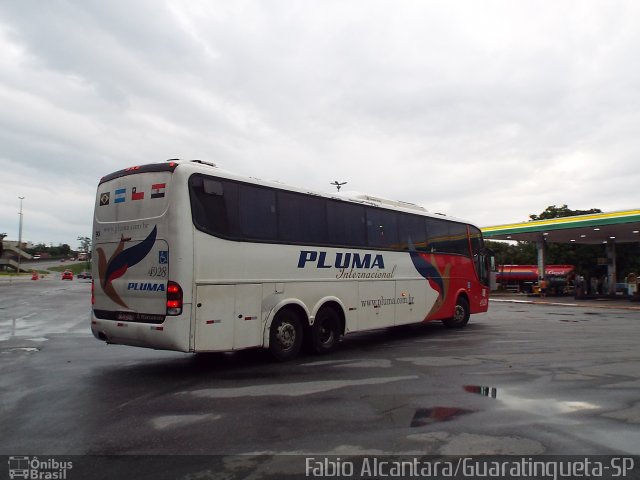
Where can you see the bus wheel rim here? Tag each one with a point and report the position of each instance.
(286, 335)
(326, 335)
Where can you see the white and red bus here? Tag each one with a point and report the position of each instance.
(193, 258)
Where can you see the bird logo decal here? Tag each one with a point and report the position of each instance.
(120, 261)
(437, 275)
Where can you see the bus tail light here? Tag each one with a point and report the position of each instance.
(174, 298)
(93, 293)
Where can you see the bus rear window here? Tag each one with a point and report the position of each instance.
(133, 197)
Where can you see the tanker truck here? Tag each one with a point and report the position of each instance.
(523, 278)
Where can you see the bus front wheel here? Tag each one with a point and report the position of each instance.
(325, 332)
(460, 314)
(285, 338)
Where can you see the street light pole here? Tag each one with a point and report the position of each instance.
(20, 236)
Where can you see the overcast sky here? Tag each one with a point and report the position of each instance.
(484, 110)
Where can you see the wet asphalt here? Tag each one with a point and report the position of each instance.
(523, 379)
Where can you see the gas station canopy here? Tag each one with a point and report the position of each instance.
(594, 228)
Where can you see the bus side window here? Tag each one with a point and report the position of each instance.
(346, 224)
(438, 235)
(476, 240)
(413, 232)
(382, 228)
(219, 200)
(302, 218)
(212, 187)
(257, 213)
(458, 239)
(448, 237)
(213, 205)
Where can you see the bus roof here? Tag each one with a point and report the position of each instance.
(200, 166)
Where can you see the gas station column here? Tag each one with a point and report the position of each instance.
(611, 266)
(540, 246)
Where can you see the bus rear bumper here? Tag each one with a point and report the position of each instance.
(172, 334)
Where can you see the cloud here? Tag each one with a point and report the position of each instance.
(487, 112)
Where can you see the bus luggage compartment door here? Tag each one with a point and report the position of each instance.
(414, 299)
(228, 317)
(377, 304)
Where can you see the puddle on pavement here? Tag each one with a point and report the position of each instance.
(574, 318)
(427, 416)
(543, 406)
(20, 350)
(551, 408)
(481, 390)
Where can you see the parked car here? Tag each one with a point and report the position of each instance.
(67, 275)
(84, 275)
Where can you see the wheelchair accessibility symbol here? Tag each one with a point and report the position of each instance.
(163, 257)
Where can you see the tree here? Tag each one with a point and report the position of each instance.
(85, 247)
(557, 212)
(85, 244)
(522, 253)
(38, 248)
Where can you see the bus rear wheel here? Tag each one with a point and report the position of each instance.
(461, 314)
(285, 337)
(325, 332)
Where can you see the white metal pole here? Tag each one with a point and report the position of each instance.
(20, 236)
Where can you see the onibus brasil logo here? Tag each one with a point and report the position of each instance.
(38, 469)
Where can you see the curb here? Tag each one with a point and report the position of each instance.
(562, 304)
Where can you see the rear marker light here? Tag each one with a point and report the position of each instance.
(174, 298)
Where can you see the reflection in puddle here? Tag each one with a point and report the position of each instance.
(538, 406)
(481, 390)
(548, 407)
(427, 416)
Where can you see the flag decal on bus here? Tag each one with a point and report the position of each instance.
(120, 261)
(121, 195)
(157, 190)
(136, 195)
